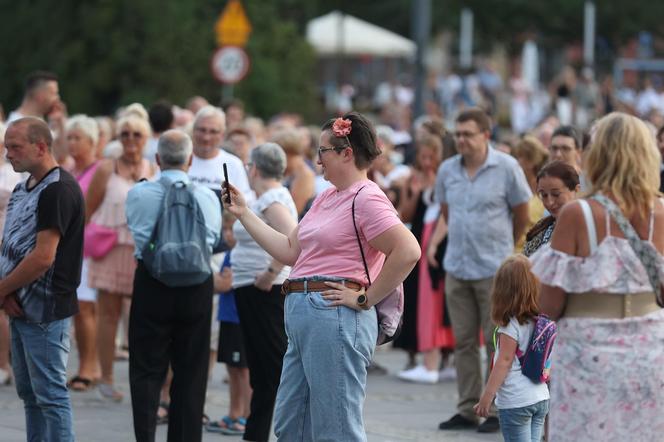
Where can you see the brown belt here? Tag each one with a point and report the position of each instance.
(314, 286)
(609, 305)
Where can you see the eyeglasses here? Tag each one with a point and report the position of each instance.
(322, 150)
(127, 134)
(465, 135)
(205, 131)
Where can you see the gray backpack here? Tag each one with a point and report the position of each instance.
(177, 253)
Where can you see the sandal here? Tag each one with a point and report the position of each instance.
(227, 426)
(78, 383)
(162, 418)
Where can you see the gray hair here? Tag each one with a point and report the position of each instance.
(211, 111)
(85, 124)
(270, 160)
(174, 148)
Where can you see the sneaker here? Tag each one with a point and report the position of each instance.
(447, 374)
(5, 377)
(419, 375)
(108, 393)
(490, 425)
(457, 422)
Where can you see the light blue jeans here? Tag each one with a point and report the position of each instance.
(324, 375)
(39, 360)
(523, 424)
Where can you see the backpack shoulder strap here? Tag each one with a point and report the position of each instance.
(357, 235)
(648, 256)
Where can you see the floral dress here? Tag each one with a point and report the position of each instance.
(608, 374)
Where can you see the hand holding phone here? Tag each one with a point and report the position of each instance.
(228, 191)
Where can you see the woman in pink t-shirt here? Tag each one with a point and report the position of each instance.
(330, 320)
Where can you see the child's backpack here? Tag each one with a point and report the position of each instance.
(177, 253)
(536, 361)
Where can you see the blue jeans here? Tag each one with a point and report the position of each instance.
(324, 374)
(39, 361)
(524, 424)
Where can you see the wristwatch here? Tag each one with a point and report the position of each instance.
(363, 301)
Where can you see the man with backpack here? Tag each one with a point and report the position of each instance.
(175, 225)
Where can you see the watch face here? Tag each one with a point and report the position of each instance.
(362, 299)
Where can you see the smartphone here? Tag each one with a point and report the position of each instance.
(228, 191)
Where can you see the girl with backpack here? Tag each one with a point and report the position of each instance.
(522, 404)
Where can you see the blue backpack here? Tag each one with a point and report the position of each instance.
(177, 254)
(536, 361)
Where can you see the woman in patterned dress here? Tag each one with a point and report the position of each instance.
(608, 360)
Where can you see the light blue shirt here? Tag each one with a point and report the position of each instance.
(480, 228)
(145, 199)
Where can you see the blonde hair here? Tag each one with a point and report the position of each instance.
(532, 149)
(135, 122)
(290, 141)
(623, 161)
(515, 292)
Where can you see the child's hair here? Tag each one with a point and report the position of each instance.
(515, 292)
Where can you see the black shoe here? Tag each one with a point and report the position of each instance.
(490, 425)
(457, 422)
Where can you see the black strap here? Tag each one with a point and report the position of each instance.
(357, 235)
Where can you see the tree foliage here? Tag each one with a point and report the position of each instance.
(109, 53)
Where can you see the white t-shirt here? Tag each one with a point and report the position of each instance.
(400, 171)
(14, 115)
(210, 173)
(518, 391)
(248, 259)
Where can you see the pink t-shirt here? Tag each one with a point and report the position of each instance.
(327, 237)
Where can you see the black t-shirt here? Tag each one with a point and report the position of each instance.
(56, 202)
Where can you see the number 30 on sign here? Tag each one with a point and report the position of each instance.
(230, 64)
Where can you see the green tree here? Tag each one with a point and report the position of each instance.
(108, 53)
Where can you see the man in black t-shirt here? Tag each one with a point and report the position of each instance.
(40, 269)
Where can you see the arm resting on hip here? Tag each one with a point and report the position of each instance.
(402, 251)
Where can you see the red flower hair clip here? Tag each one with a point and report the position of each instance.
(341, 127)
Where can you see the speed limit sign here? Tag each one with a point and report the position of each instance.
(230, 64)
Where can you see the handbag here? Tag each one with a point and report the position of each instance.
(648, 256)
(98, 240)
(389, 310)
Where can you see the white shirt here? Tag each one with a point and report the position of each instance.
(14, 115)
(248, 259)
(517, 390)
(210, 173)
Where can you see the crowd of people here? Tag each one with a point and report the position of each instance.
(486, 233)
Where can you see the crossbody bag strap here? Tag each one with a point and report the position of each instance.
(357, 235)
(647, 255)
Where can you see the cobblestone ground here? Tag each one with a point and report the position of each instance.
(394, 411)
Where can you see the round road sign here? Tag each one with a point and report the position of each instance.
(230, 64)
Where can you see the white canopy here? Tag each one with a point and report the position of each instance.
(336, 33)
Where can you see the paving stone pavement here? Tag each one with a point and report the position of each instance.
(394, 411)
